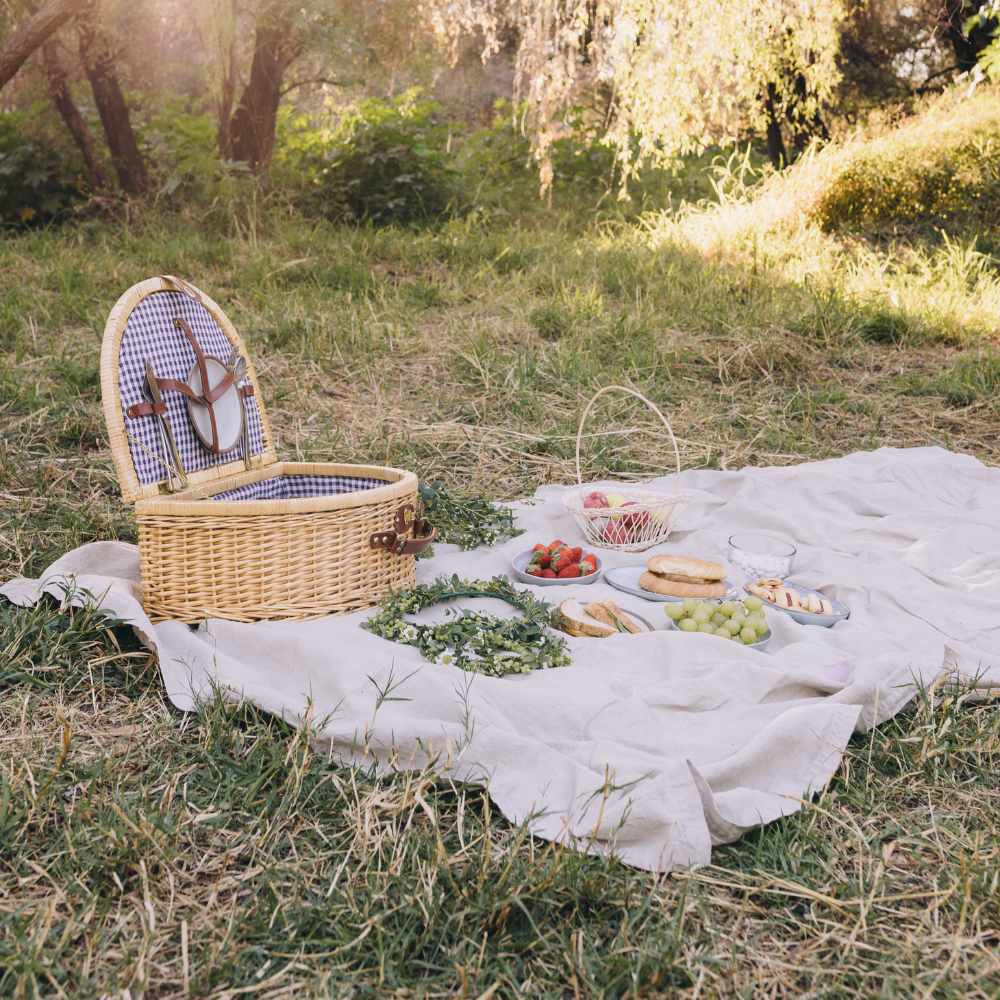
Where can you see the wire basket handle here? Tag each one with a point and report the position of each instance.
(631, 392)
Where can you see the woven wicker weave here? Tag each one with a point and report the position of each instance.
(252, 559)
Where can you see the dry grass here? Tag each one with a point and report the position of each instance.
(146, 853)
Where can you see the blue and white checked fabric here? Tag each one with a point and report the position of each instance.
(292, 487)
(150, 333)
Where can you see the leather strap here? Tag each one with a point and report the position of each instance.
(159, 409)
(206, 398)
(146, 409)
(397, 542)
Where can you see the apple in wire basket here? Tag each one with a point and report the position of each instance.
(595, 500)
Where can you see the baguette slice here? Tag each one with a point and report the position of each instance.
(624, 620)
(610, 614)
(574, 620)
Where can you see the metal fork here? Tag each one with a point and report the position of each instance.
(238, 366)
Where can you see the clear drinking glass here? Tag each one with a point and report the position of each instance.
(759, 554)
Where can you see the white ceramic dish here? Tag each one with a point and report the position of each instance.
(520, 562)
(626, 579)
(840, 611)
(639, 618)
(671, 626)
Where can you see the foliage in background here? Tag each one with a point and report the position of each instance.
(40, 178)
(941, 170)
(384, 162)
(181, 145)
(661, 78)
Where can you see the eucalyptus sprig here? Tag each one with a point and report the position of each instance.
(467, 522)
(472, 640)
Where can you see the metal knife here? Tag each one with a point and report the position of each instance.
(154, 390)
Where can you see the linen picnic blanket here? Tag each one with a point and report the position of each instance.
(654, 747)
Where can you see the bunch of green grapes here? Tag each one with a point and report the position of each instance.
(742, 621)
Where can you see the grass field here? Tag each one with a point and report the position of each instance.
(147, 853)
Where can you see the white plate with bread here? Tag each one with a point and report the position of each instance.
(673, 578)
(599, 620)
(802, 604)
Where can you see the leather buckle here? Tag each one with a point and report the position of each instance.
(397, 541)
(405, 517)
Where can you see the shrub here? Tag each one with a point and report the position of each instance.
(940, 171)
(386, 162)
(181, 147)
(39, 180)
(499, 164)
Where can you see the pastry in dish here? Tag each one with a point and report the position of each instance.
(683, 576)
(775, 592)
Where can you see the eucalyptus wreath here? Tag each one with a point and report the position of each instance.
(472, 640)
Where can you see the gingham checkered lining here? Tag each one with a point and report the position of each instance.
(291, 487)
(150, 333)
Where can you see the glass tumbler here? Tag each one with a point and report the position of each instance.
(759, 554)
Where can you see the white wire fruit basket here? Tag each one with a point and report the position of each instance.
(623, 516)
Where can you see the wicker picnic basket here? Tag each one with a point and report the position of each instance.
(231, 531)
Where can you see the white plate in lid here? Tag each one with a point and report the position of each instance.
(626, 579)
(228, 407)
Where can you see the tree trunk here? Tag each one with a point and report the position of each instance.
(38, 29)
(228, 91)
(804, 127)
(98, 64)
(252, 128)
(55, 75)
(775, 144)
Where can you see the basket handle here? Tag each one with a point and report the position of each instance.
(631, 392)
(184, 286)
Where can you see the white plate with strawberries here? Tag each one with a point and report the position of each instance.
(556, 564)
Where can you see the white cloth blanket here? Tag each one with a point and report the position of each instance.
(656, 746)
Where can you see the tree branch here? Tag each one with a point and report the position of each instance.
(924, 87)
(33, 34)
(317, 79)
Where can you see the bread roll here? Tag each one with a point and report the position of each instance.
(674, 588)
(685, 569)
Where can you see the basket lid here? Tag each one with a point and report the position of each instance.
(142, 327)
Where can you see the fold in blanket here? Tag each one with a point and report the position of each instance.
(657, 746)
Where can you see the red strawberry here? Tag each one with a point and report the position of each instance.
(557, 544)
(533, 570)
(573, 569)
(565, 559)
(588, 565)
(549, 574)
(542, 549)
